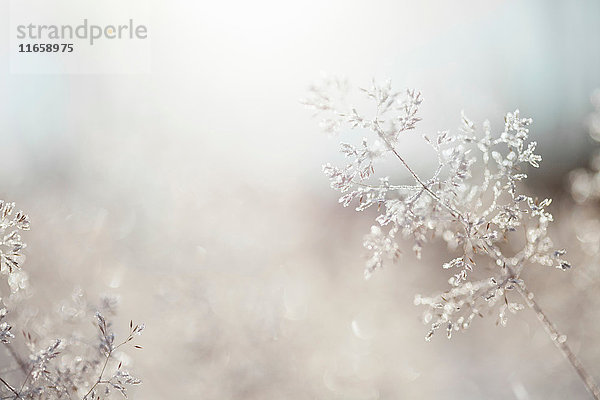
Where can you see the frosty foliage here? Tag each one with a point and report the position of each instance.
(472, 200)
(11, 246)
(56, 355)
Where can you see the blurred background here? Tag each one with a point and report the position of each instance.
(195, 193)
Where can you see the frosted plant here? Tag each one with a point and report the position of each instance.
(11, 246)
(472, 201)
(57, 356)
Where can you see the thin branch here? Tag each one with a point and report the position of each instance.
(9, 387)
(99, 380)
(26, 379)
(561, 342)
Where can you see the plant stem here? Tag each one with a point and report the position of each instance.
(561, 342)
(26, 379)
(99, 380)
(9, 387)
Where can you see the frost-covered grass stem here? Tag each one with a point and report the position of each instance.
(560, 340)
(479, 213)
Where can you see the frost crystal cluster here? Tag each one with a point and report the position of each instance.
(471, 200)
(55, 355)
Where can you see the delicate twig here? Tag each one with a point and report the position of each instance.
(9, 387)
(560, 341)
(99, 380)
(26, 379)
